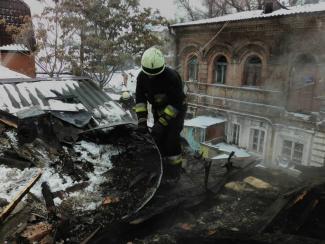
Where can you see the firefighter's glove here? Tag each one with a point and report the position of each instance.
(157, 131)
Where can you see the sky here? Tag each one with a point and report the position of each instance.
(168, 8)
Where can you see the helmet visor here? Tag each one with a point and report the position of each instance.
(156, 71)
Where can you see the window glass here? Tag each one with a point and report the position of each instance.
(292, 151)
(257, 140)
(253, 71)
(298, 152)
(220, 70)
(261, 141)
(193, 68)
(235, 134)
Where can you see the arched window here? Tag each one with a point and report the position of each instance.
(220, 70)
(193, 68)
(253, 71)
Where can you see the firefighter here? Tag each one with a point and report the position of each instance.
(162, 87)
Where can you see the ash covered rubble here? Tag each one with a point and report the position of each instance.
(251, 204)
(66, 166)
(242, 202)
(66, 177)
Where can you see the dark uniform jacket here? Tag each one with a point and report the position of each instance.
(162, 91)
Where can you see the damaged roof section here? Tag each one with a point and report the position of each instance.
(74, 101)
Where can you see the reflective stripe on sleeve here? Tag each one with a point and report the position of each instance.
(140, 107)
(163, 121)
(171, 111)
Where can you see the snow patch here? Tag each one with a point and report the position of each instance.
(221, 156)
(56, 105)
(224, 147)
(204, 121)
(13, 181)
(6, 73)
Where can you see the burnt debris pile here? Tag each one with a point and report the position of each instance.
(71, 162)
(105, 175)
(74, 169)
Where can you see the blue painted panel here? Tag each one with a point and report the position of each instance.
(194, 137)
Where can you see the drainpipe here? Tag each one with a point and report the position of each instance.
(202, 50)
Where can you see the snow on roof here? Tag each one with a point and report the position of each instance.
(6, 73)
(204, 121)
(224, 147)
(113, 96)
(14, 47)
(258, 14)
(47, 94)
(221, 156)
(117, 80)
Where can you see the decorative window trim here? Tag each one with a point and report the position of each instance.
(245, 65)
(211, 67)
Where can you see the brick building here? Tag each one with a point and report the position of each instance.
(263, 72)
(13, 56)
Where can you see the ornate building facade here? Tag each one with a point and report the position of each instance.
(264, 73)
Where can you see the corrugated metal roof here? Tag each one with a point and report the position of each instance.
(258, 14)
(60, 95)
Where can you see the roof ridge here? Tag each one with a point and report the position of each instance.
(258, 14)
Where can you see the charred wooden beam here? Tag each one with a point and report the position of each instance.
(18, 198)
(270, 214)
(15, 163)
(48, 198)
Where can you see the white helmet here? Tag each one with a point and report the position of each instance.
(153, 62)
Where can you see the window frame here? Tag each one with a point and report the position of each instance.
(260, 143)
(251, 68)
(292, 151)
(189, 65)
(235, 134)
(224, 68)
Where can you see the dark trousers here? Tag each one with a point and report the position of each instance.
(170, 143)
